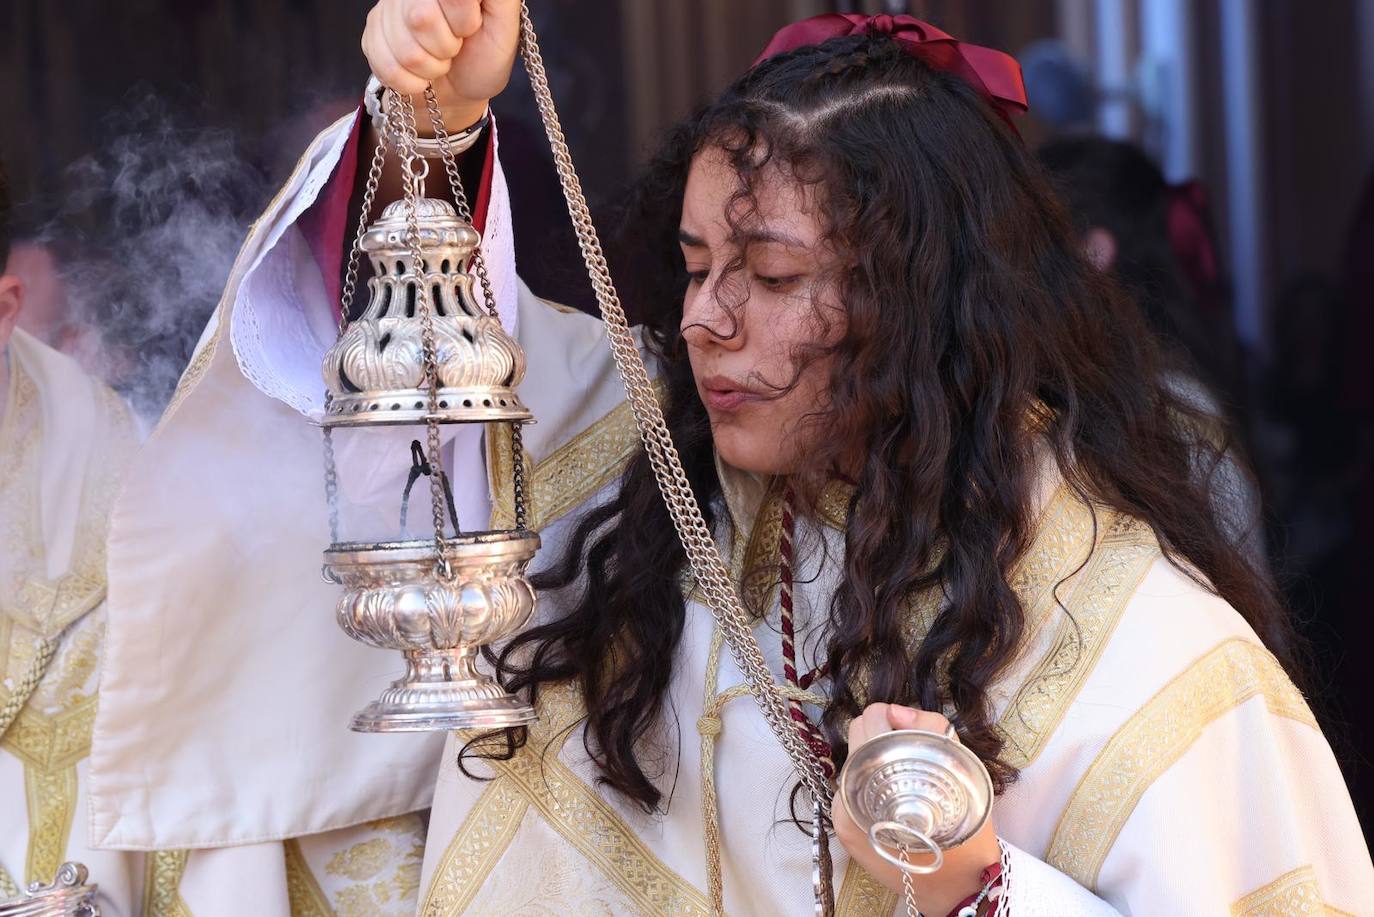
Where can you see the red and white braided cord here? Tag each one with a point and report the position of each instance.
(809, 730)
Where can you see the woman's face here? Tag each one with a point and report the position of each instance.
(758, 291)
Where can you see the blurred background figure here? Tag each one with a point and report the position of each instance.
(46, 312)
(1157, 239)
(1267, 106)
(65, 442)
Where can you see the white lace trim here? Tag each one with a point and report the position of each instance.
(282, 320)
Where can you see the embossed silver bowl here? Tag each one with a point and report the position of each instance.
(393, 599)
(917, 791)
(67, 895)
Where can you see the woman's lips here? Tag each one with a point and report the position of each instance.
(722, 394)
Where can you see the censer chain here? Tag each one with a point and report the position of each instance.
(414, 168)
(348, 291)
(708, 569)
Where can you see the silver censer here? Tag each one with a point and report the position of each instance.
(68, 895)
(915, 792)
(424, 353)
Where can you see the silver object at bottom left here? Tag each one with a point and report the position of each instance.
(67, 895)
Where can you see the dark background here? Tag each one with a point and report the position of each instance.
(115, 114)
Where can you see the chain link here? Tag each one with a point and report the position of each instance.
(331, 476)
(479, 267)
(374, 178)
(346, 294)
(414, 168)
(460, 198)
(908, 889)
(517, 451)
(712, 577)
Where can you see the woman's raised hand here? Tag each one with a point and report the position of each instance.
(466, 48)
(960, 876)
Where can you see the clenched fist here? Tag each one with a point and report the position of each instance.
(466, 48)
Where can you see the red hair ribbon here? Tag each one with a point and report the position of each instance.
(993, 73)
(1190, 236)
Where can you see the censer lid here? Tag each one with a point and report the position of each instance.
(376, 372)
(438, 224)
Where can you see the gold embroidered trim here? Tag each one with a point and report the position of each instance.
(761, 564)
(303, 890)
(536, 777)
(52, 804)
(23, 393)
(861, 895)
(1295, 892)
(47, 605)
(833, 506)
(200, 362)
(1124, 553)
(1154, 738)
(570, 475)
(587, 821)
(162, 874)
(487, 831)
(51, 741)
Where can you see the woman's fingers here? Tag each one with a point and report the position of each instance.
(899, 717)
(385, 65)
(879, 718)
(383, 60)
(428, 24)
(406, 50)
(463, 17)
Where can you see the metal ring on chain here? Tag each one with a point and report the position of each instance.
(923, 845)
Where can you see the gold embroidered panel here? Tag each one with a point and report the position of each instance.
(378, 873)
(1155, 737)
(162, 874)
(474, 851)
(303, 891)
(1295, 892)
(1119, 549)
(41, 604)
(861, 895)
(583, 817)
(575, 810)
(1124, 553)
(52, 805)
(570, 475)
(53, 741)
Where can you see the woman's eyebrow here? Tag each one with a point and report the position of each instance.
(767, 236)
(747, 237)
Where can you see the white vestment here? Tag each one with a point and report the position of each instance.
(65, 441)
(1167, 764)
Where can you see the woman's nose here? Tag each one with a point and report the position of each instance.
(707, 320)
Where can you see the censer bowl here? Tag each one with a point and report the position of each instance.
(394, 599)
(915, 790)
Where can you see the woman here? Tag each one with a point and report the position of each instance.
(948, 484)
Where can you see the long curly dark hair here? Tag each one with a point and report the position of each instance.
(969, 310)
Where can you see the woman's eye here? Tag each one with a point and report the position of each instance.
(697, 276)
(777, 283)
